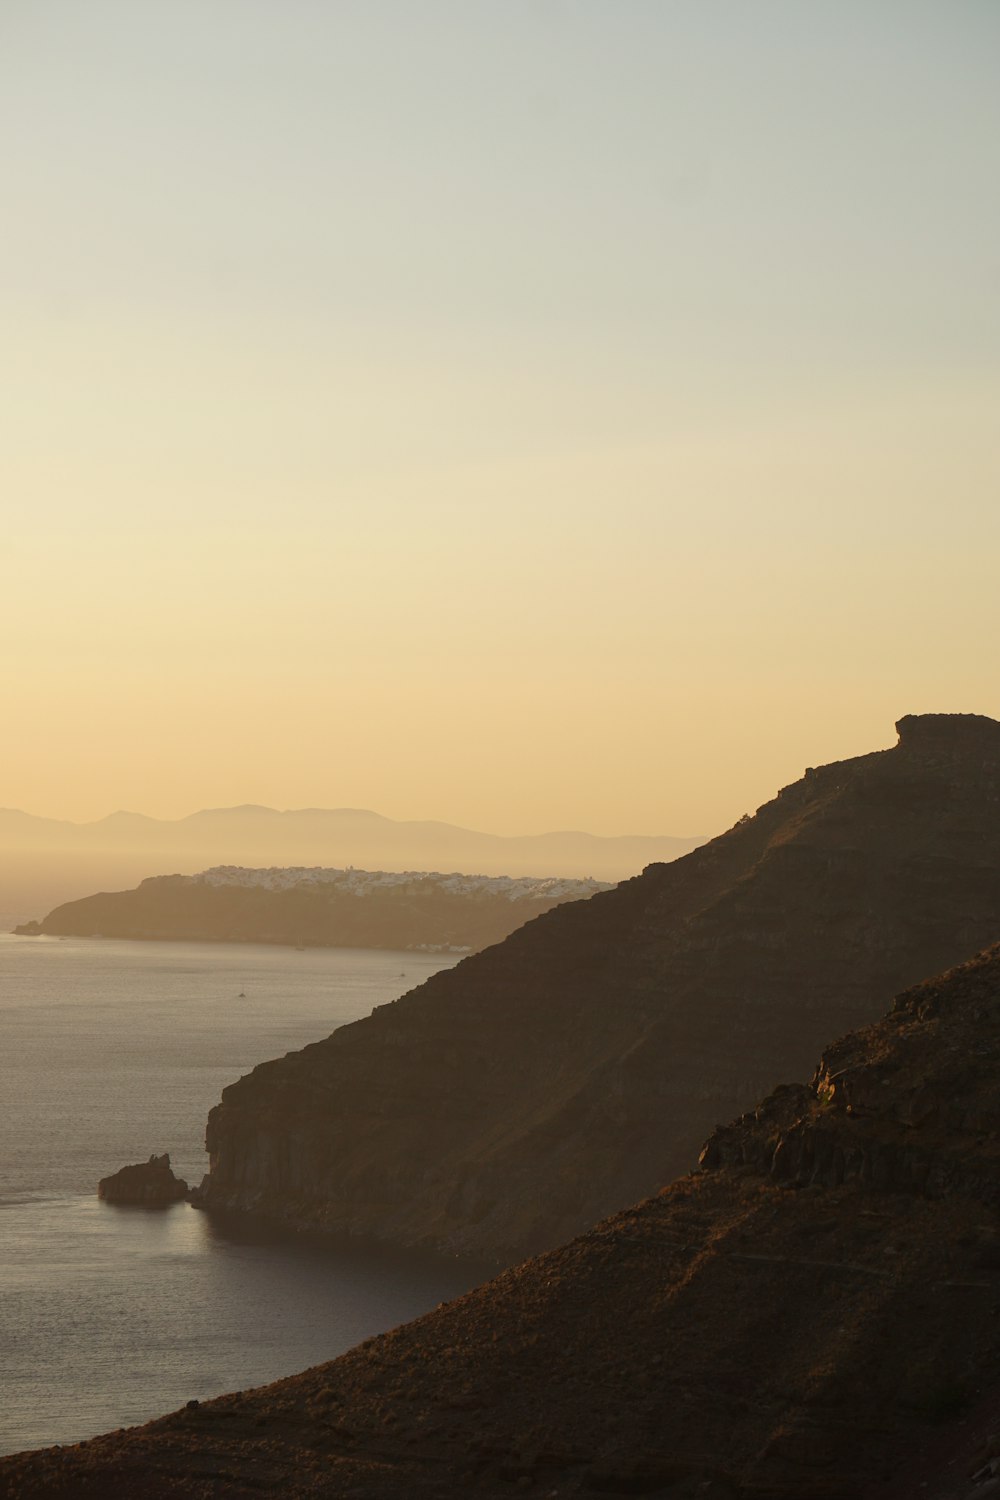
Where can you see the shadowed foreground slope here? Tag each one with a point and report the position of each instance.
(513, 1101)
(798, 1321)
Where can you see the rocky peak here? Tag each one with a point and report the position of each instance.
(950, 734)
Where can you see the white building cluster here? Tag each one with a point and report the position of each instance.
(364, 882)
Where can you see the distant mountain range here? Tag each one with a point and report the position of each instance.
(347, 835)
(46, 861)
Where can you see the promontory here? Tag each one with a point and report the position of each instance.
(318, 907)
(509, 1103)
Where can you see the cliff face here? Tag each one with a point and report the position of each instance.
(316, 908)
(510, 1102)
(806, 1318)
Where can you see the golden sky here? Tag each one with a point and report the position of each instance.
(528, 415)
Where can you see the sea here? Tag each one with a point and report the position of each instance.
(111, 1051)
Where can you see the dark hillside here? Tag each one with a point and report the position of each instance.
(514, 1100)
(807, 1318)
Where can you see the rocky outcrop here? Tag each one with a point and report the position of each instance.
(769, 1328)
(150, 1184)
(910, 1105)
(516, 1099)
(316, 908)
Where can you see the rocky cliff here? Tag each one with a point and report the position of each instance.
(317, 908)
(512, 1101)
(815, 1315)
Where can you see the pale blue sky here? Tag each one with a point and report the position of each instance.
(551, 353)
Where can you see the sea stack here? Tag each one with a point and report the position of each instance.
(150, 1184)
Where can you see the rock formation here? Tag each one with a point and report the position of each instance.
(317, 908)
(516, 1099)
(809, 1317)
(150, 1183)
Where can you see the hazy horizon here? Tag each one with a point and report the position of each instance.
(366, 812)
(553, 427)
(46, 863)
(526, 417)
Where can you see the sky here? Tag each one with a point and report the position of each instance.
(528, 413)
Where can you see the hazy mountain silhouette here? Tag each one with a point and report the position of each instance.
(46, 861)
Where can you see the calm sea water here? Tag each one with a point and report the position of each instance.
(110, 1051)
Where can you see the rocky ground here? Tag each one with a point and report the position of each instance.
(815, 1315)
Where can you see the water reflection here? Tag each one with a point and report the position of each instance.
(122, 1313)
(110, 1315)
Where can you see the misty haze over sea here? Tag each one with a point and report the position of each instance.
(114, 1050)
(46, 861)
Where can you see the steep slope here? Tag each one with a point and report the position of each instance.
(800, 1320)
(316, 907)
(516, 1099)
